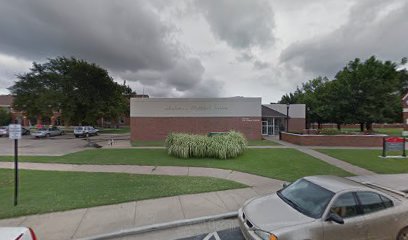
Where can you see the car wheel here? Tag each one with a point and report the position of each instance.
(403, 234)
(76, 136)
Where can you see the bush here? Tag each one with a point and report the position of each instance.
(222, 146)
(5, 117)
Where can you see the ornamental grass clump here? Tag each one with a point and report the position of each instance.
(222, 146)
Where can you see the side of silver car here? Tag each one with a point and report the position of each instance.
(366, 214)
(354, 215)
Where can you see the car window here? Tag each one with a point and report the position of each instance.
(306, 197)
(387, 202)
(345, 206)
(370, 202)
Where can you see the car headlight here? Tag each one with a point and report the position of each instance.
(265, 235)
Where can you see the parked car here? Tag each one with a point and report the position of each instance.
(47, 132)
(85, 131)
(327, 208)
(25, 131)
(17, 233)
(4, 131)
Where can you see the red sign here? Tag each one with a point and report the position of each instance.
(395, 140)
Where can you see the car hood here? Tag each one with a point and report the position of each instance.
(270, 213)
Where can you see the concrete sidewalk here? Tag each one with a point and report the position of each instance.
(104, 219)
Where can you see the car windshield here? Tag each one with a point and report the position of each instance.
(42, 129)
(78, 128)
(306, 197)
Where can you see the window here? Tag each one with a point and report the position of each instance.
(345, 206)
(306, 197)
(370, 202)
(387, 202)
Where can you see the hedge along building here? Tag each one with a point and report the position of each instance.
(152, 119)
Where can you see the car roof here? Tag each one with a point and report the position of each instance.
(336, 184)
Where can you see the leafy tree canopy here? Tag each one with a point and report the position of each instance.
(362, 92)
(84, 92)
(5, 118)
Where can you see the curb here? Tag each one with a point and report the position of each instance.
(161, 226)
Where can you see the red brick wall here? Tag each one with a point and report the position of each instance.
(297, 124)
(157, 128)
(337, 140)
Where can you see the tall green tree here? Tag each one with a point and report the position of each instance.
(84, 92)
(5, 118)
(371, 89)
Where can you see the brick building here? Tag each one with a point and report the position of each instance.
(153, 119)
(6, 102)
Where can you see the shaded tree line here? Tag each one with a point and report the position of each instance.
(82, 91)
(363, 92)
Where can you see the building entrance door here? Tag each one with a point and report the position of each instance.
(269, 127)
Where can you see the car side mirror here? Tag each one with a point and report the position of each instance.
(285, 184)
(335, 218)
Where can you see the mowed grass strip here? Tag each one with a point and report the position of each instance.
(47, 191)
(262, 142)
(369, 159)
(279, 163)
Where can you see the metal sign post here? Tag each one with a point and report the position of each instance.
(15, 134)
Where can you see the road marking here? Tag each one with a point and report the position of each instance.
(213, 234)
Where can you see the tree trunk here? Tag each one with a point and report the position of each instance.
(339, 126)
(361, 127)
(369, 126)
(319, 125)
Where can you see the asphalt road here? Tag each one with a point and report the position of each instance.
(229, 234)
(58, 145)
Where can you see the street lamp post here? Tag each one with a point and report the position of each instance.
(308, 123)
(287, 117)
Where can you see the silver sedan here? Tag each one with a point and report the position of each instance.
(327, 208)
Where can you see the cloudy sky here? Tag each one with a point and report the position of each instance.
(203, 48)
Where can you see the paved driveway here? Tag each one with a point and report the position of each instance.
(56, 146)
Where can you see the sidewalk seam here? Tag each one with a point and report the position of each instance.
(79, 224)
(181, 206)
(134, 217)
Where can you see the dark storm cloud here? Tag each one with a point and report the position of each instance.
(113, 34)
(375, 27)
(124, 36)
(241, 23)
(185, 79)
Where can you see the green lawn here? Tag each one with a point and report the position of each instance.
(46, 191)
(121, 130)
(279, 163)
(262, 142)
(369, 159)
(148, 143)
(388, 131)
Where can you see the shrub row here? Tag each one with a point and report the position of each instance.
(222, 146)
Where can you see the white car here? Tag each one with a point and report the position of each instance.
(17, 233)
(4, 131)
(47, 132)
(85, 131)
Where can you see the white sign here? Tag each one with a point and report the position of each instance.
(196, 107)
(14, 131)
